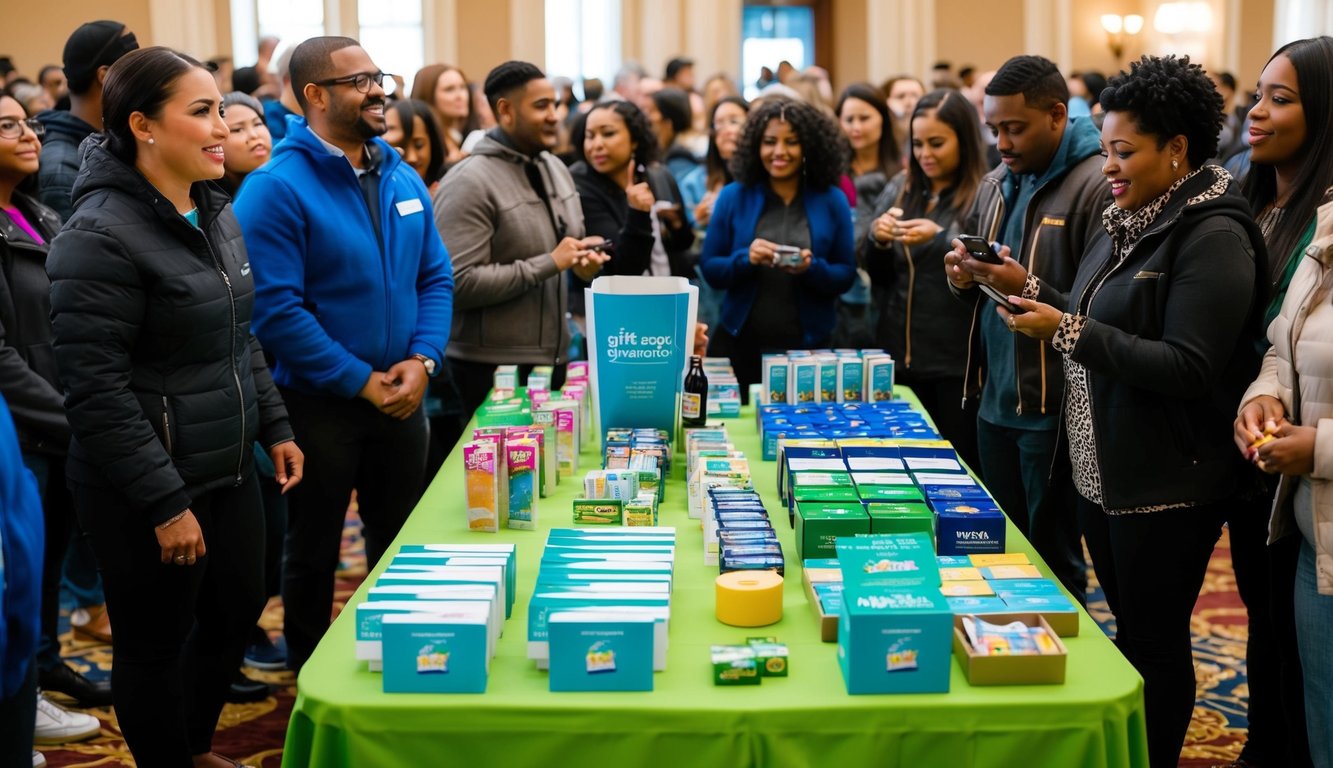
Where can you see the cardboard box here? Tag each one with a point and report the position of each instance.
(1058, 611)
(1009, 670)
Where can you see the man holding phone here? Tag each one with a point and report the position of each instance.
(510, 217)
(1042, 207)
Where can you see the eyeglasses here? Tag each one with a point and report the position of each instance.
(360, 81)
(13, 129)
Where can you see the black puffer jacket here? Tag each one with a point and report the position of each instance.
(165, 388)
(28, 377)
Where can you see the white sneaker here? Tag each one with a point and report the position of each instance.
(57, 725)
(38, 759)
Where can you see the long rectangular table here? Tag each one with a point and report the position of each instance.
(341, 718)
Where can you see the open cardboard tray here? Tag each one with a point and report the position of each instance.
(1009, 670)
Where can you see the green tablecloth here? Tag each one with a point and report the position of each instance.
(341, 717)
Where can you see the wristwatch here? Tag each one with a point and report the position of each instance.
(427, 362)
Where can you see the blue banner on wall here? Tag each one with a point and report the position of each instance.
(640, 337)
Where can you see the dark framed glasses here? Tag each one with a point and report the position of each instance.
(12, 128)
(360, 81)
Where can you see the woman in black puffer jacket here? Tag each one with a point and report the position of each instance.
(166, 391)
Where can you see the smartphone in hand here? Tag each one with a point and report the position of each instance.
(787, 256)
(979, 249)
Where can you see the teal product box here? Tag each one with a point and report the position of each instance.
(592, 651)
(803, 380)
(486, 593)
(507, 551)
(370, 621)
(878, 378)
(953, 561)
(428, 653)
(828, 380)
(449, 562)
(900, 560)
(820, 524)
(851, 380)
(962, 605)
(1021, 587)
(555, 599)
(449, 574)
(1037, 603)
(894, 640)
(969, 529)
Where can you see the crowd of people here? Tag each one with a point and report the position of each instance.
(234, 300)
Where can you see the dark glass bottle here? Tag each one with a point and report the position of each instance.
(694, 398)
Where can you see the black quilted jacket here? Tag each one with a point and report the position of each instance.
(165, 388)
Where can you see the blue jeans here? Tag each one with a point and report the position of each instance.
(1016, 467)
(1314, 621)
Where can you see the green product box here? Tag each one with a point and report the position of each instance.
(894, 494)
(735, 665)
(598, 511)
(770, 656)
(901, 517)
(820, 524)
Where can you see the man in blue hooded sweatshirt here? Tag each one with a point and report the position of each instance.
(353, 298)
(1043, 205)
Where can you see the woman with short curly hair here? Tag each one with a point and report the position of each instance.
(1158, 336)
(780, 239)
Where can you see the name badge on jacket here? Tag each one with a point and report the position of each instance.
(409, 207)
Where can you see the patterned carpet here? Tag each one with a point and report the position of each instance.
(254, 733)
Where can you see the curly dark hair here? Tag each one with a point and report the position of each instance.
(640, 133)
(1169, 96)
(824, 149)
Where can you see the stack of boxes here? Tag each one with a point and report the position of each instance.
(629, 488)
(724, 391)
(803, 377)
(738, 532)
(432, 619)
(849, 487)
(895, 629)
(599, 612)
(840, 421)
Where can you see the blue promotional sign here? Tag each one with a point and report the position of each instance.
(640, 337)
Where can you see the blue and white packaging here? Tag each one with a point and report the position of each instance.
(969, 528)
(591, 651)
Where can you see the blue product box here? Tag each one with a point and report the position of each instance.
(961, 605)
(593, 651)
(953, 561)
(894, 640)
(968, 529)
(939, 495)
(428, 653)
